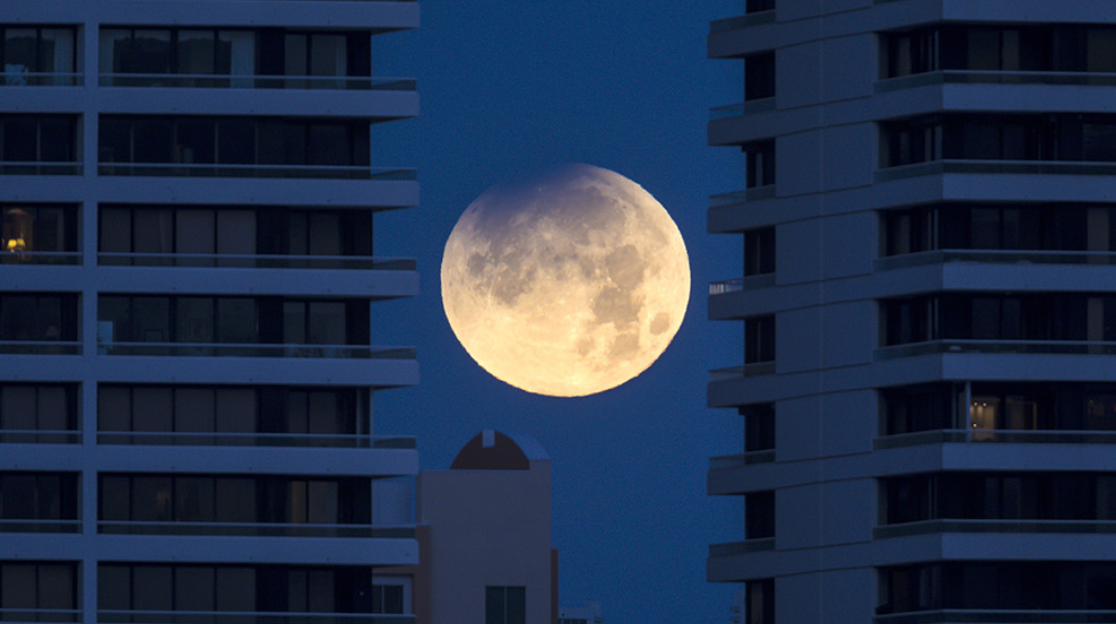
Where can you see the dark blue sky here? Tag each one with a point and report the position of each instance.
(510, 88)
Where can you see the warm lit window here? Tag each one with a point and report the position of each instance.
(38, 228)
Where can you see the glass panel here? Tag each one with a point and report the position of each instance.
(323, 502)
(151, 319)
(114, 141)
(17, 496)
(494, 608)
(17, 317)
(296, 591)
(241, 46)
(194, 500)
(294, 322)
(296, 501)
(297, 412)
(294, 50)
(114, 43)
(56, 51)
(194, 232)
(54, 413)
(56, 586)
(116, 498)
(327, 55)
(153, 588)
(153, 141)
(18, 408)
(236, 410)
(237, 320)
(321, 591)
(194, 588)
(236, 141)
(195, 142)
(236, 232)
(194, 319)
(152, 409)
(326, 323)
(114, 408)
(194, 410)
(152, 52)
(114, 587)
(151, 499)
(236, 500)
(517, 605)
(325, 235)
(195, 51)
(236, 589)
(324, 416)
(56, 140)
(153, 230)
(19, 51)
(17, 585)
(329, 145)
(20, 139)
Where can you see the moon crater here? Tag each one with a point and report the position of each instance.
(567, 284)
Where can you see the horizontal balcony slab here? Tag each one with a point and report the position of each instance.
(997, 616)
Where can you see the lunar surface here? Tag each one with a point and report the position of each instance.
(567, 284)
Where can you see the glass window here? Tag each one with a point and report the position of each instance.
(195, 501)
(195, 232)
(18, 585)
(20, 54)
(194, 319)
(505, 605)
(236, 500)
(327, 55)
(759, 76)
(759, 251)
(759, 339)
(759, 426)
(236, 232)
(56, 586)
(151, 52)
(194, 410)
(18, 408)
(236, 589)
(326, 323)
(153, 588)
(236, 141)
(760, 163)
(194, 588)
(236, 320)
(196, 51)
(116, 498)
(152, 409)
(153, 230)
(760, 598)
(759, 515)
(296, 55)
(236, 410)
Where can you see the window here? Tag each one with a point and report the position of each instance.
(759, 339)
(28, 50)
(207, 498)
(910, 320)
(760, 162)
(38, 228)
(998, 585)
(759, 426)
(759, 76)
(918, 408)
(755, 6)
(391, 595)
(38, 496)
(38, 138)
(233, 140)
(38, 407)
(759, 515)
(910, 141)
(505, 605)
(38, 316)
(759, 251)
(759, 602)
(911, 52)
(46, 585)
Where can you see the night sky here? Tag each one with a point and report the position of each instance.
(511, 88)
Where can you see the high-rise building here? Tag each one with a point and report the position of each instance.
(188, 285)
(929, 230)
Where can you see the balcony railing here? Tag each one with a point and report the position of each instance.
(1009, 436)
(105, 616)
(973, 166)
(998, 616)
(739, 372)
(755, 193)
(255, 529)
(40, 257)
(39, 436)
(924, 527)
(40, 347)
(758, 105)
(1060, 347)
(973, 76)
(258, 261)
(211, 349)
(41, 79)
(741, 283)
(39, 526)
(742, 459)
(739, 548)
(219, 438)
(254, 171)
(994, 256)
(40, 615)
(12, 167)
(254, 81)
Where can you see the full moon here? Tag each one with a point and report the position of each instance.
(566, 284)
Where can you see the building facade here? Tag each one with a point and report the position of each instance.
(925, 389)
(189, 351)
